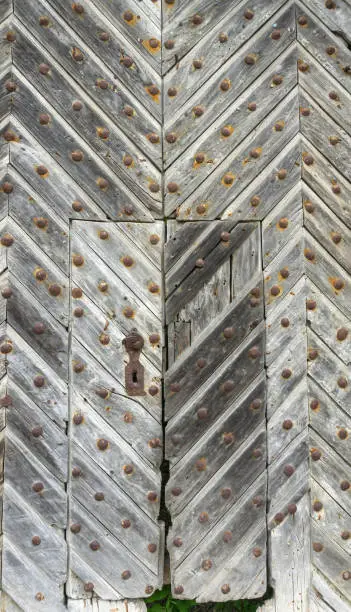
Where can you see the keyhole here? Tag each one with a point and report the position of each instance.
(135, 377)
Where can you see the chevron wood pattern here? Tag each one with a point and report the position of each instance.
(223, 131)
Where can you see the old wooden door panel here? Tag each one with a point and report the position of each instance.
(215, 410)
(116, 438)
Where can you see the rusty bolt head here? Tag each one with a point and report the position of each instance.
(78, 367)
(128, 469)
(292, 509)
(154, 187)
(178, 590)
(75, 528)
(172, 92)
(315, 454)
(275, 35)
(308, 160)
(303, 66)
(78, 8)
(223, 37)
(225, 85)
(312, 354)
(171, 137)
(99, 496)
(102, 183)
(176, 491)
(343, 434)
(128, 16)
(202, 413)
(103, 286)
(78, 419)
(153, 90)
(172, 187)
(175, 387)
(275, 290)
(7, 240)
(256, 404)
(125, 523)
(317, 547)
(153, 390)
(283, 223)
(54, 290)
(305, 112)
(154, 288)
(127, 61)
(197, 64)
(284, 322)
(345, 535)
(257, 453)
(302, 20)
(258, 501)
(76, 472)
(226, 131)
(6, 348)
(336, 237)
(94, 545)
(342, 382)
(282, 174)
(39, 328)
(39, 381)
(41, 222)
(37, 431)
(127, 261)
(257, 552)
(104, 36)
(284, 272)
(344, 485)
(155, 443)
(330, 4)
(7, 187)
(152, 547)
(226, 493)
(201, 363)
(206, 565)
(254, 153)
(346, 575)
(39, 596)
(77, 156)
(336, 189)
(338, 284)
(77, 293)
(228, 386)
(277, 79)
(44, 21)
(154, 339)
(6, 293)
(178, 542)
(77, 54)
(225, 588)
(289, 470)
(36, 540)
(11, 86)
(201, 464)
(287, 424)
(199, 158)
(199, 263)
(254, 352)
(128, 160)
(228, 179)
(44, 69)
(286, 373)
(333, 95)
(314, 404)
(38, 487)
(250, 59)
(203, 517)
(198, 111)
(169, 44)
(279, 517)
(196, 20)
(255, 200)
(88, 587)
(125, 575)
(227, 537)
(153, 138)
(77, 206)
(317, 506)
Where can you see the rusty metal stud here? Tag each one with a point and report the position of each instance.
(201, 464)
(75, 528)
(78, 419)
(199, 158)
(206, 565)
(255, 200)
(103, 286)
(342, 382)
(257, 552)
(153, 90)
(102, 444)
(39, 596)
(178, 542)
(176, 491)
(252, 106)
(254, 352)
(153, 138)
(37, 431)
(171, 137)
(258, 501)
(287, 424)
(225, 588)
(77, 206)
(155, 443)
(11, 86)
(201, 209)
(197, 19)
(226, 493)
(201, 363)
(250, 59)
(172, 187)
(154, 239)
(54, 289)
(102, 183)
(302, 20)
(77, 105)
(41, 222)
(153, 390)
(289, 470)
(104, 36)
(6, 293)
(78, 8)
(314, 404)
(317, 547)
(255, 153)
(338, 284)
(344, 485)
(308, 160)
(78, 367)
(336, 237)
(256, 404)
(303, 66)
(128, 469)
(154, 288)
(77, 293)
(257, 453)
(225, 236)
(175, 387)
(126, 574)
(286, 373)
(199, 263)
(225, 85)
(101, 392)
(275, 290)
(9, 136)
(37, 487)
(284, 322)
(77, 156)
(292, 509)
(202, 413)
(279, 517)
(7, 187)
(77, 54)
(149, 589)
(284, 273)
(317, 506)
(312, 354)
(127, 261)
(315, 454)
(76, 472)
(275, 35)
(330, 4)
(169, 44)
(78, 260)
(125, 523)
(227, 537)
(154, 187)
(42, 170)
(7, 240)
(197, 64)
(277, 79)
(228, 386)
(223, 37)
(152, 547)
(198, 111)
(99, 496)
(342, 434)
(127, 61)
(305, 112)
(94, 545)
(88, 587)
(311, 304)
(6, 347)
(172, 92)
(39, 381)
(249, 14)
(346, 575)
(179, 589)
(336, 189)
(44, 21)
(345, 535)
(128, 16)
(154, 339)
(44, 69)
(39, 328)
(44, 119)
(203, 517)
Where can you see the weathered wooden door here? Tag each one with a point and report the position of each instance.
(175, 302)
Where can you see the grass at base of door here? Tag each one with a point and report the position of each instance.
(162, 601)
